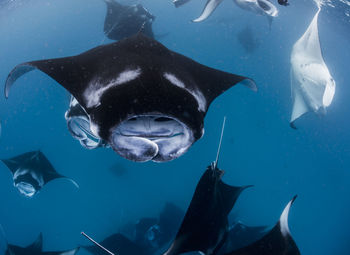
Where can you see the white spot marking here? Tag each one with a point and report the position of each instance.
(96, 89)
(194, 92)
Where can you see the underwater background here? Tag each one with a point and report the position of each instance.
(259, 147)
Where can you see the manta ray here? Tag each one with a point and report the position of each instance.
(277, 241)
(241, 235)
(118, 244)
(36, 249)
(144, 100)
(31, 171)
(312, 85)
(123, 21)
(260, 7)
(205, 225)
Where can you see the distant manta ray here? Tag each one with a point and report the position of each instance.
(36, 249)
(144, 100)
(123, 21)
(261, 7)
(312, 85)
(31, 171)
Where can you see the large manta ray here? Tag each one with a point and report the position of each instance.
(123, 21)
(261, 7)
(145, 101)
(36, 249)
(205, 225)
(277, 241)
(312, 85)
(31, 171)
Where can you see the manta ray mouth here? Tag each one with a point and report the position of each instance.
(26, 189)
(153, 137)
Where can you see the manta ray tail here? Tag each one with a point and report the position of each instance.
(220, 141)
(179, 3)
(97, 244)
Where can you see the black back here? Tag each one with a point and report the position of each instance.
(86, 74)
(123, 21)
(34, 161)
(205, 225)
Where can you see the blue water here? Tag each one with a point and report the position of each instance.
(259, 147)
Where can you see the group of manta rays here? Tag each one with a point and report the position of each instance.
(147, 102)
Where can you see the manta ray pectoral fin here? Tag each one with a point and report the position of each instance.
(209, 8)
(66, 71)
(72, 181)
(38, 244)
(299, 107)
(283, 221)
(213, 82)
(178, 3)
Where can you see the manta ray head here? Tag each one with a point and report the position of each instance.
(27, 182)
(154, 137)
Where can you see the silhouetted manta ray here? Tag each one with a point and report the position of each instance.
(145, 101)
(150, 234)
(277, 241)
(241, 235)
(118, 244)
(123, 21)
(36, 249)
(205, 225)
(31, 171)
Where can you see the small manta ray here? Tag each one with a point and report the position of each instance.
(205, 225)
(241, 235)
(145, 101)
(78, 124)
(124, 21)
(31, 171)
(312, 85)
(283, 2)
(117, 244)
(277, 241)
(247, 39)
(261, 7)
(36, 249)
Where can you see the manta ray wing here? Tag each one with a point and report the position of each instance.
(277, 241)
(139, 78)
(209, 8)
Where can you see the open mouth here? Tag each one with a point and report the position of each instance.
(151, 137)
(26, 189)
